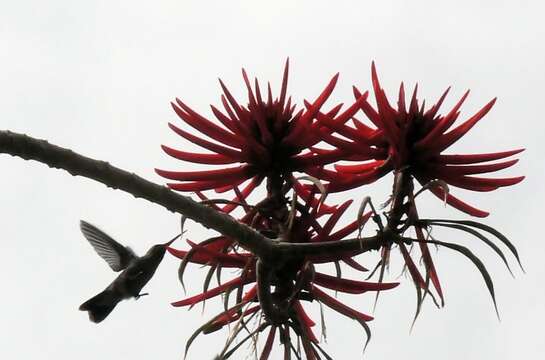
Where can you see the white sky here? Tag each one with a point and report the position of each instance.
(98, 76)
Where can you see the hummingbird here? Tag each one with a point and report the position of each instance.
(137, 271)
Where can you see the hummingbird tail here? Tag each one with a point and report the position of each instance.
(101, 305)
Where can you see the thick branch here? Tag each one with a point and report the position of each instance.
(54, 156)
(351, 247)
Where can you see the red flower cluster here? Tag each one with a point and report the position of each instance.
(270, 141)
(297, 281)
(414, 138)
(267, 137)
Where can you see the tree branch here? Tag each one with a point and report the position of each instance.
(54, 156)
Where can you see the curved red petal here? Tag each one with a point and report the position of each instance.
(213, 159)
(219, 149)
(338, 306)
(213, 292)
(205, 126)
(475, 158)
(350, 286)
(229, 174)
(446, 140)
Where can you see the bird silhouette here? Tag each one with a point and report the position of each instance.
(136, 271)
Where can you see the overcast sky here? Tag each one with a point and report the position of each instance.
(97, 77)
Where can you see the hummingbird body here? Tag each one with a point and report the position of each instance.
(137, 271)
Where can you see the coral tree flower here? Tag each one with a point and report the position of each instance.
(296, 283)
(266, 137)
(414, 138)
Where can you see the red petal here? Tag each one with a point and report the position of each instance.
(302, 314)
(201, 185)
(359, 168)
(213, 292)
(453, 170)
(350, 147)
(215, 159)
(305, 194)
(205, 126)
(354, 264)
(371, 113)
(268, 344)
(305, 119)
(229, 317)
(338, 306)
(364, 129)
(236, 260)
(230, 186)
(350, 286)
(228, 122)
(356, 180)
(305, 322)
(348, 229)
(401, 100)
(441, 126)
(301, 129)
(255, 109)
(387, 113)
(284, 87)
(255, 182)
(454, 135)
(428, 261)
(413, 107)
(453, 201)
(475, 158)
(234, 104)
(413, 270)
(482, 184)
(327, 157)
(332, 221)
(329, 175)
(207, 144)
(229, 174)
(430, 114)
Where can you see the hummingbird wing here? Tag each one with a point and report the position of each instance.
(115, 254)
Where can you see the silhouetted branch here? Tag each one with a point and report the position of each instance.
(54, 156)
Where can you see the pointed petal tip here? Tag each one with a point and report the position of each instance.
(222, 84)
(492, 102)
(373, 69)
(518, 179)
(357, 92)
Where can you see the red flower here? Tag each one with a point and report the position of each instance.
(296, 282)
(414, 138)
(266, 137)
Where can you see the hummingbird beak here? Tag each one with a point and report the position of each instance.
(172, 240)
